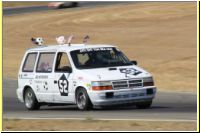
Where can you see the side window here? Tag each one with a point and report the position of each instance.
(29, 63)
(62, 62)
(45, 62)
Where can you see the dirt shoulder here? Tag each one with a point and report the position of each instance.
(161, 36)
(95, 125)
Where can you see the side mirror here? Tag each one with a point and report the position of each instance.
(67, 69)
(134, 62)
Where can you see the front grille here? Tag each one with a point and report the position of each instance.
(127, 84)
(120, 84)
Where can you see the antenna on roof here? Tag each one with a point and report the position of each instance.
(70, 39)
(61, 40)
(38, 41)
(85, 39)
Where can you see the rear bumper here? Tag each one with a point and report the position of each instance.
(20, 94)
(116, 97)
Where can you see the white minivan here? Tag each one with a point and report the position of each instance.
(85, 75)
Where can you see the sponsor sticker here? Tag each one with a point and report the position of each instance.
(41, 76)
(95, 49)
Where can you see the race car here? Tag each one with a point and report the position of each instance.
(88, 75)
(60, 5)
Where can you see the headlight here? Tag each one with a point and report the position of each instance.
(101, 85)
(148, 81)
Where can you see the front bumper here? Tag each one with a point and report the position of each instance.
(115, 97)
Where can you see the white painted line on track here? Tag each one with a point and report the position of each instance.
(100, 119)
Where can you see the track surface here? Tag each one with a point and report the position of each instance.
(20, 10)
(166, 106)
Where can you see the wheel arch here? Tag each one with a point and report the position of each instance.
(79, 87)
(25, 88)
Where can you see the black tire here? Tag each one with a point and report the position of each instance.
(61, 6)
(30, 100)
(144, 105)
(74, 4)
(82, 99)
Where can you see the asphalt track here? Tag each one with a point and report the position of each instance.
(166, 106)
(21, 10)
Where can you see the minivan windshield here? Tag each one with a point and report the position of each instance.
(99, 57)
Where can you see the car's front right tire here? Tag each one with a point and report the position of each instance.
(30, 100)
(82, 99)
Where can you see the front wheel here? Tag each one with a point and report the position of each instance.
(144, 105)
(82, 99)
(30, 100)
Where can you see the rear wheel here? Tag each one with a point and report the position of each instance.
(144, 105)
(30, 100)
(82, 99)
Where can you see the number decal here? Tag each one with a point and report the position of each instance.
(129, 71)
(63, 85)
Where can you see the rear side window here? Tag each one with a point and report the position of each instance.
(45, 62)
(29, 62)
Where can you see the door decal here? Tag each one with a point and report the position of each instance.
(63, 85)
(45, 86)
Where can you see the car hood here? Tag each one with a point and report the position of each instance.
(112, 73)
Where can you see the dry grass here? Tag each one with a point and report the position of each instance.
(95, 125)
(22, 4)
(161, 36)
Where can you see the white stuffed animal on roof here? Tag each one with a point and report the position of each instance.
(38, 41)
